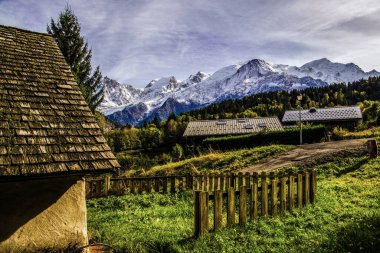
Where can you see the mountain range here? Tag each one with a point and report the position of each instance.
(161, 97)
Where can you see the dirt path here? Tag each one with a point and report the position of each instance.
(304, 153)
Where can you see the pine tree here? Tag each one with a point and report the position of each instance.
(66, 32)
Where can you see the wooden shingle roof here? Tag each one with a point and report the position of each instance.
(45, 124)
(232, 126)
(347, 113)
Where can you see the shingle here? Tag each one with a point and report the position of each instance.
(324, 114)
(232, 126)
(45, 123)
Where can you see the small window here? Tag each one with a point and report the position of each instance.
(262, 125)
(248, 127)
(221, 123)
(241, 120)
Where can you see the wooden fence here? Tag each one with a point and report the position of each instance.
(100, 187)
(253, 196)
(107, 185)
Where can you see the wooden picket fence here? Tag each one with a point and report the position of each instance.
(254, 196)
(107, 185)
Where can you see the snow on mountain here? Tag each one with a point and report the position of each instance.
(166, 95)
(117, 96)
(330, 72)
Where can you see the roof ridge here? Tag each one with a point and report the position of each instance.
(24, 30)
(325, 108)
(208, 120)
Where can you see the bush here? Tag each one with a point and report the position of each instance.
(289, 136)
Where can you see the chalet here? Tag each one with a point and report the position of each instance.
(49, 140)
(225, 127)
(346, 117)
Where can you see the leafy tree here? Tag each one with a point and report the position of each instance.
(177, 151)
(66, 32)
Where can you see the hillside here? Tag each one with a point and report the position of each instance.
(347, 211)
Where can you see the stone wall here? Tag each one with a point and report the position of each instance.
(42, 214)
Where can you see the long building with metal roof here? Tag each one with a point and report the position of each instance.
(348, 113)
(231, 126)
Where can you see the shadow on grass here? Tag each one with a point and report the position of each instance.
(354, 167)
(362, 235)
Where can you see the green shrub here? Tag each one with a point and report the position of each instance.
(289, 136)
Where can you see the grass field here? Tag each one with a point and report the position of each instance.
(346, 218)
(217, 162)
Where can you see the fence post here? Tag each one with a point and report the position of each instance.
(205, 186)
(240, 180)
(273, 194)
(313, 187)
(299, 190)
(218, 207)
(264, 194)
(211, 180)
(196, 183)
(123, 186)
(243, 205)
(306, 188)
(232, 180)
(107, 184)
(372, 148)
(254, 197)
(181, 184)
(283, 194)
(231, 207)
(291, 192)
(140, 186)
(228, 181)
(172, 184)
(248, 180)
(200, 213)
(221, 182)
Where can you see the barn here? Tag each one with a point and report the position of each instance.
(226, 127)
(346, 117)
(49, 142)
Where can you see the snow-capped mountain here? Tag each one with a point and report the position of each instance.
(117, 96)
(166, 95)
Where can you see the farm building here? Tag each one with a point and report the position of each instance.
(49, 140)
(346, 117)
(205, 128)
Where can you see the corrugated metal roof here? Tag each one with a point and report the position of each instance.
(232, 126)
(45, 124)
(324, 114)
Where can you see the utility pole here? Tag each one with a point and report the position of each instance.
(299, 98)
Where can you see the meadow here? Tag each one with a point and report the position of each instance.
(346, 218)
(215, 161)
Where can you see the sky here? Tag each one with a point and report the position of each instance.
(135, 41)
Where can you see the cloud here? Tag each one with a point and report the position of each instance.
(136, 41)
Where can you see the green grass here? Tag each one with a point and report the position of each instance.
(217, 162)
(141, 223)
(346, 218)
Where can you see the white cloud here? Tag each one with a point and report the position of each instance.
(139, 40)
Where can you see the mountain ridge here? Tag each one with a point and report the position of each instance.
(161, 97)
